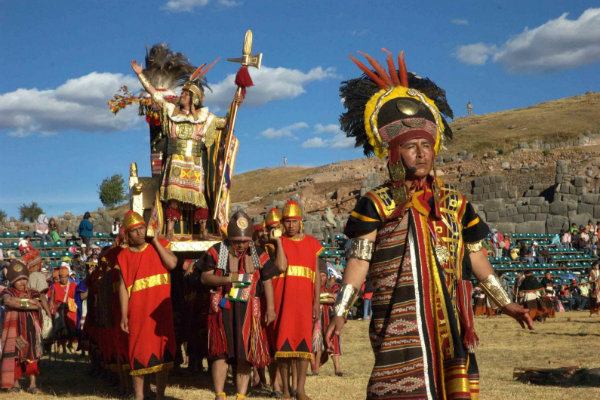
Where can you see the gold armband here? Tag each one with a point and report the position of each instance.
(345, 300)
(494, 290)
(145, 82)
(361, 249)
(25, 303)
(475, 247)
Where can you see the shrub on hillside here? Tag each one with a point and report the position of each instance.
(112, 190)
(30, 212)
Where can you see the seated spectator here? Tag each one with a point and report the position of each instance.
(25, 245)
(53, 230)
(566, 240)
(526, 254)
(338, 265)
(556, 240)
(514, 253)
(545, 255)
(585, 293)
(41, 228)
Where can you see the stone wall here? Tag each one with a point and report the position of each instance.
(540, 209)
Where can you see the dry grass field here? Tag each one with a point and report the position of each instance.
(569, 339)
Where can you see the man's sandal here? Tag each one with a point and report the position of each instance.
(239, 396)
(221, 396)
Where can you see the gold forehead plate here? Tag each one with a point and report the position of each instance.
(18, 268)
(407, 107)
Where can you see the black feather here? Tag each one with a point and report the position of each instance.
(167, 69)
(355, 94)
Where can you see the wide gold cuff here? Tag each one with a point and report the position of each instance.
(475, 247)
(494, 290)
(346, 298)
(361, 249)
(24, 303)
(145, 82)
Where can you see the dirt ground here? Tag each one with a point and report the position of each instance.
(569, 339)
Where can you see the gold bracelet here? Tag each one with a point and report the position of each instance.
(25, 303)
(475, 247)
(361, 249)
(145, 82)
(345, 300)
(494, 290)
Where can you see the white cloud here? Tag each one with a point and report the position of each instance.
(458, 21)
(475, 54)
(270, 84)
(556, 45)
(358, 33)
(329, 128)
(341, 141)
(314, 143)
(229, 3)
(191, 5)
(78, 104)
(286, 131)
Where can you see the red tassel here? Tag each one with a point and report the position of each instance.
(217, 342)
(243, 79)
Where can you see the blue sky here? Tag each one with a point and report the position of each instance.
(63, 60)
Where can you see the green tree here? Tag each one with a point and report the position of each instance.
(30, 212)
(2, 215)
(112, 190)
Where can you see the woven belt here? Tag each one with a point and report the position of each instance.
(184, 147)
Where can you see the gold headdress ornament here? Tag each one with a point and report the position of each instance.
(292, 210)
(273, 217)
(194, 83)
(131, 220)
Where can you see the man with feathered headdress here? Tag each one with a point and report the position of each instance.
(418, 238)
(189, 128)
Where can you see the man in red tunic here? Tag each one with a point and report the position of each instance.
(62, 300)
(146, 309)
(298, 306)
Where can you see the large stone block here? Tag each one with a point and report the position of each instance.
(541, 216)
(558, 208)
(579, 181)
(529, 217)
(554, 223)
(531, 227)
(492, 216)
(534, 209)
(504, 227)
(572, 205)
(518, 218)
(522, 209)
(538, 201)
(584, 208)
(597, 211)
(493, 205)
(545, 208)
(477, 189)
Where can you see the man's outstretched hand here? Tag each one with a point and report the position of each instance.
(520, 314)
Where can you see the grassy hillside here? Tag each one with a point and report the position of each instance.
(552, 121)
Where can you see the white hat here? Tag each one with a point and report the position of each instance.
(83, 245)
